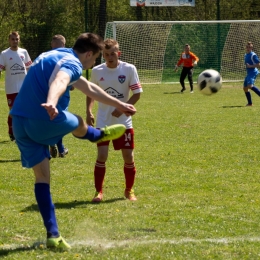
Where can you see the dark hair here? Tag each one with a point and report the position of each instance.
(250, 44)
(89, 42)
(15, 33)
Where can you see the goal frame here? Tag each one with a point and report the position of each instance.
(220, 54)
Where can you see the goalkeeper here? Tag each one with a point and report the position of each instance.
(189, 59)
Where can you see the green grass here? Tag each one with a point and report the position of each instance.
(197, 184)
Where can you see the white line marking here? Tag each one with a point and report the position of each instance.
(106, 244)
(112, 244)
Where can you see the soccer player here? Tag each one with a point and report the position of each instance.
(188, 59)
(59, 41)
(16, 62)
(39, 121)
(118, 79)
(251, 62)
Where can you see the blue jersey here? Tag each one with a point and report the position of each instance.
(35, 88)
(251, 58)
(64, 100)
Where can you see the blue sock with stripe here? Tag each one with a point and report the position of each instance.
(93, 134)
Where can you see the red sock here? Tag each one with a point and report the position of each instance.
(99, 175)
(129, 170)
(10, 128)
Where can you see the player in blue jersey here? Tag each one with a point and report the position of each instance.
(252, 63)
(39, 120)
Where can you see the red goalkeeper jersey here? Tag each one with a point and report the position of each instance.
(187, 59)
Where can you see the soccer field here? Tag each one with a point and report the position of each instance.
(197, 184)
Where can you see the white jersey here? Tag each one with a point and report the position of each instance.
(117, 82)
(14, 63)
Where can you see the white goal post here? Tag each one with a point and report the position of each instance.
(154, 47)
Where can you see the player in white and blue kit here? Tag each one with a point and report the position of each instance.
(39, 120)
(251, 62)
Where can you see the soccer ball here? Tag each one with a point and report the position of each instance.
(209, 82)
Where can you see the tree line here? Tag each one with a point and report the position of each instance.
(38, 20)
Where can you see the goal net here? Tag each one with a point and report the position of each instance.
(155, 47)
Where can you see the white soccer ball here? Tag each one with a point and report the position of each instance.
(209, 82)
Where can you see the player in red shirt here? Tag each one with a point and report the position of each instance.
(189, 59)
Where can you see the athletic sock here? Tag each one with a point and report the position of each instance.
(256, 90)
(60, 146)
(129, 171)
(9, 122)
(46, 207)
(93, 134)
(248, 96)
(99, 175)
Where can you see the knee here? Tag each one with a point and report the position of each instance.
(128, 157)
(102, 157)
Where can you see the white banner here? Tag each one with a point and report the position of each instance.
(162, 3)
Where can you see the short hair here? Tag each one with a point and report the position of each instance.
(13, 33)
(187, 45)
(60, 39)
(109, 43)
(250, 44)
(89, 42)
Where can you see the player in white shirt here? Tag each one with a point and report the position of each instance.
(118, 79)
(16, 62)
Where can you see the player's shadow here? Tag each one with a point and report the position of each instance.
(7, 251)
(172, 93)
(13, 160)
(70, 205)
(5, 142)
(231, 106)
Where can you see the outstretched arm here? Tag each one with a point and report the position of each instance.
(96, 93)
(132, 100)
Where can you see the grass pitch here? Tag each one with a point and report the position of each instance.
(197, 185)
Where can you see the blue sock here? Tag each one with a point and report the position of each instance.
(256, 90)
(60, 146)
(93, 134)
(248, 96)
(46, 207)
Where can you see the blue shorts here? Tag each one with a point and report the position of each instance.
(33, 136)
(249, 80)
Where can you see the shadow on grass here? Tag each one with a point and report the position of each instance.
(7, 251)
(5, 142)
(69, 205)
(172, 92)
(232, 106)
(12, 160)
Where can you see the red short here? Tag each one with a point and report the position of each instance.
(126, 141)
(10, 99)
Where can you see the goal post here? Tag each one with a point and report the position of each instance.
(154, 47)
